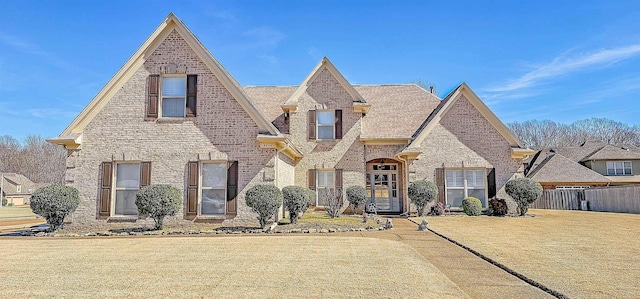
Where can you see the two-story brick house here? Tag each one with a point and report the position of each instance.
(173, 115)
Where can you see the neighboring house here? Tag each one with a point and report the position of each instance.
(17, 188)
(592, 164)
(173, 115)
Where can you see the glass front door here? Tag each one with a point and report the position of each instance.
(382, 188)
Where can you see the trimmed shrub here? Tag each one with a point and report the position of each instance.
(296, 201)
(158, 201)
(497, 207)
(524, 191)
(472, 206)
(264, 200)
(4, 201)
(55, 203)
(437, 209)
(421, 193)
(356, 195)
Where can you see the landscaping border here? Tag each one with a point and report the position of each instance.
(500, 265)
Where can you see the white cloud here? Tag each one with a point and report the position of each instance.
(563, 65)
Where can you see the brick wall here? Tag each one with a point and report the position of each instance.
(221, 130)
(465, 138)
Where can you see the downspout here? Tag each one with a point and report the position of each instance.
(278, 151)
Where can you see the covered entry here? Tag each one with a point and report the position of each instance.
(384, 185)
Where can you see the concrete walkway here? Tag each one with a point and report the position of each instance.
(475, 276)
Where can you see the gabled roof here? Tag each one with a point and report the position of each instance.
(70, 135)
(611, 152)
(406, 104)
(12, 180)
(557, 168)
(325, 63)
(577, 153)
(448, 102)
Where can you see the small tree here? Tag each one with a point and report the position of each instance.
(357, 196)
(524, 191)
(421, 193)
(334, 201)
(296, 201)
(158, 201)
(264, 200)
(55, 203)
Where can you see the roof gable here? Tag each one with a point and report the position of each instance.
(325, 63)
(448, 102)
(72, 134)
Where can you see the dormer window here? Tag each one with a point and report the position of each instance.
(325, 124)
(619, 168)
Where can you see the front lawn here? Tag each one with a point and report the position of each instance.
(10, 213)
(321, 220)
(580, 254)
(219, 267)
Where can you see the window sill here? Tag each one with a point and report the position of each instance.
(210, 219)
(120, 219)
(173, 120)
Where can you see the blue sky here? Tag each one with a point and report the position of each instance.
(557, 60)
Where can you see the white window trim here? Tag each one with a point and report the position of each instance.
(114, 186)
(200, 187)
(333, 183)
(465, 187)
(615, 169)
(333, 125)
(161, 96)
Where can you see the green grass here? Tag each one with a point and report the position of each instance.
(321, 220)
(16, 212)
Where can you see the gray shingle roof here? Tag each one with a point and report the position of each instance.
(611, 152)
(397, 111)
(558, 168)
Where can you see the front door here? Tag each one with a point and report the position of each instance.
(382, 187)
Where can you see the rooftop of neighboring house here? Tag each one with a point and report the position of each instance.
(13, 180)
(405, 106)
(564, 164)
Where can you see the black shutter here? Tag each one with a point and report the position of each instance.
(152, 96)
(104, 202)
(232, 188)
(311, 120)
(192, 92)
(192, 190)
(491, 182)
(338, 114)
(440, 182)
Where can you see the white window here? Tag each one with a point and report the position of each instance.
(174, 93)
(326, 124)
(127, 185)
(214, 188)
(325, 185)
(461, 183)
(619, 168)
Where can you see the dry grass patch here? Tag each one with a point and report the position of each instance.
(9, 213)
(580, 254)
(219, 267)
(321, 220)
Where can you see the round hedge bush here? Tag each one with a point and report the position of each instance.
(472, 206)
(296, 201)
(421, 193)
(264, 200)
(158, 201)
(524, 191)
(357, 196)
(497, 207)
(55, 203)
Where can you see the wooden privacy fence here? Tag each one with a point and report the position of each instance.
(559, 200)
(617, 199)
